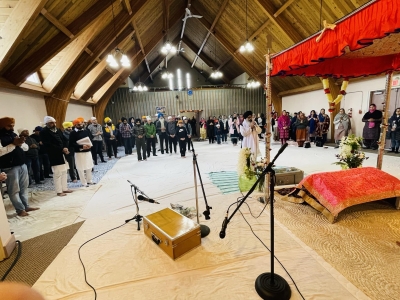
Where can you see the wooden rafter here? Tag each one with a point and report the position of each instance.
(281, 22)
(71, 55)
(166, 14)
(211, 29)
(283, 7)
(208, 61)
(100, 81)
(303, 89)
(19, 21)
(141, 46)
(56, 23)
(127, 6)
(86, 82)
(18, 73)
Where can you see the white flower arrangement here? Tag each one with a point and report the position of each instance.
(350, 155)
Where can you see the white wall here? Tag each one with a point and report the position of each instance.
(28, 109)
(75, 110)
(241, 79)
(357, 98)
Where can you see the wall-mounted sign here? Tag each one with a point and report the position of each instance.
(396, 81)
(160, 110)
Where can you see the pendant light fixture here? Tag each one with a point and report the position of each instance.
(139, 86)
(216, 73)
(117, 54)
(247, 47)
(251, 84)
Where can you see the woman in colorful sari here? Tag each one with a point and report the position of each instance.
(323, 126)
(301, 129)
(312, 125)
(342, 126)
(284, 127)
(372, 128)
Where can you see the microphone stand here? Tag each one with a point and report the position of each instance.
(268, 285)
(138, 218)
(205, 230)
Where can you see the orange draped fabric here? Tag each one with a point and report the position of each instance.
(341, 189)
(374, 21)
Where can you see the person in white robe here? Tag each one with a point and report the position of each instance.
(79, 139)
(250, 131)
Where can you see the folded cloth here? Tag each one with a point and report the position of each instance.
(84, 141)
(371, 125)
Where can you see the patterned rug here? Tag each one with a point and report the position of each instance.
(226, 181)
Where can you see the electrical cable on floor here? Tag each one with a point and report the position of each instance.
(79, 254)
(263, 242)
(14, 262)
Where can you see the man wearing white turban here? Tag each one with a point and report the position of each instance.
(57, 146)
(250, 131)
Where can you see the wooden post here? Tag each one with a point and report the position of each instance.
(385, 118)
(268, 134)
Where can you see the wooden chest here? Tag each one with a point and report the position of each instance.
(174, 233)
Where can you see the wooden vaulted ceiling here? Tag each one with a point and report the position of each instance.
(67, 41)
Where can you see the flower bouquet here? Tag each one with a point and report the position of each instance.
(350, 155)
(249, 171)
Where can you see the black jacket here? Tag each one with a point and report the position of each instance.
(15, 157)
(139, 130)
(76, 136)
(54, 143)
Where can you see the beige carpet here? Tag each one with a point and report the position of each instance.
(37, 254)
(361, 245)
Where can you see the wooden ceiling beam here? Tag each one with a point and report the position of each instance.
(141, 46)
(283, 7)
(100, 81)
(166, 4)
(53, 20)
(16, 26)
(154, 65)
(33, 62)
(70, 56)
(86, 82)
(211, 29)
(281, 22)
(208, 61)
(127, 5)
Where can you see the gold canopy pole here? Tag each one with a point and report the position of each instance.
(268, 106)
(385, 117)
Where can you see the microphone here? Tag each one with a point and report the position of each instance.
(142, 198)
(131, 183)
(224, 225)
(282, 149)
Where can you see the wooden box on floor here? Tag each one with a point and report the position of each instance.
(287, 176)
(172, 232)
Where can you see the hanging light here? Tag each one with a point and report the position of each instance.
(167, 75)
(252, 84)
(247, 47)
(117, 53)
(168, 48)
(139, 87)
(216, 73)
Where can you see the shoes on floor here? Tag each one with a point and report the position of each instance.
(155, 155)
(61, 194)
(103, 161)
(31, 209)
(23, 214)
(68, 191)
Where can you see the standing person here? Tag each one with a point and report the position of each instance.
(371, 131)
(44, 162)
(323, 126)
(139, 132)
(111, 138)
(189, 130)
(56, 146)
(12, 163)
(150, 136)
(210, 130)
(301, 129)
(234, 131)
(131, 123)
(203, 129)
(342, 126)
(394, 130)
(284, 127)
(224, 128)
(97, 132)
(83, 157)
(250, 131)
(161, 128)
(293, 127)
(182, 136)
(171, 132)
(193, 125)
(31, 156)
(126, 134)
(218, 133)
(312, 125)
(71, 156)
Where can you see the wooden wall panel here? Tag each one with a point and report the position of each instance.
(211, 101)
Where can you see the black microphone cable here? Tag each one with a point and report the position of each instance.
(14, 262)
